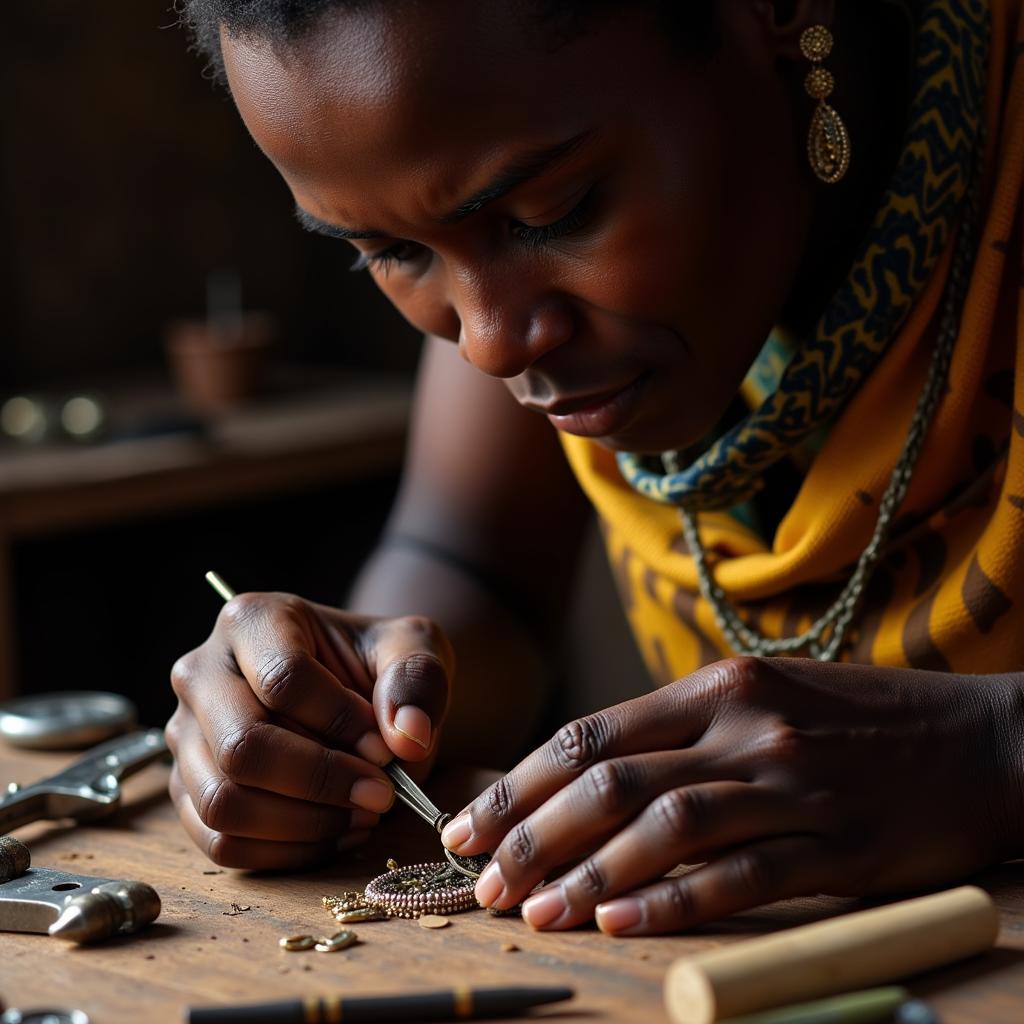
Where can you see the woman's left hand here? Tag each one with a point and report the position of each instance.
(782, 777)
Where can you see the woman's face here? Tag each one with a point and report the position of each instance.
(610, 226)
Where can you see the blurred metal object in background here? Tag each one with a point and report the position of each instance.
(87, 789)
(83, 418)
(65, 721)
(33, 419)
(46, 1016)
(27, 418)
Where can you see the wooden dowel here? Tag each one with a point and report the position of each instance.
(856, 951)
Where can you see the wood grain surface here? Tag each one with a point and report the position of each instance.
(216, 940)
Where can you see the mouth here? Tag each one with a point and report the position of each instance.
(600, 414)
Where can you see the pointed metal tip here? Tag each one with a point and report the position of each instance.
(71, 925)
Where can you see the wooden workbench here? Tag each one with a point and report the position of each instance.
(204, 950)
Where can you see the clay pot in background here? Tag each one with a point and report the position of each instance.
(216, 369)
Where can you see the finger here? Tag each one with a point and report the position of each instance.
(250, 749)
(583, 814)
(413, 663)
(225, 806)
(674, 829)
(675, 716)
(252, 854)
(751, 876)
(277, 642)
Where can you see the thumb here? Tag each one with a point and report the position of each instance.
(413, 664)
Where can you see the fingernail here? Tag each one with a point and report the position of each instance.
(490, 885)
(372, 748)
(618, 916)
(372, 795)
(360, 820)
(457, 832)
(414, 724)
(347, 842)
(544, 908)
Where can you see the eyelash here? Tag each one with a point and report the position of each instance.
(533, 237)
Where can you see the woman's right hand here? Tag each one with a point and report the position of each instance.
(286, 715)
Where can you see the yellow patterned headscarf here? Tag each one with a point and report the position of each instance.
(949, 592)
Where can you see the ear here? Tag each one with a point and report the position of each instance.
(787, 20)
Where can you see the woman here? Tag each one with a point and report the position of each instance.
(610, 207)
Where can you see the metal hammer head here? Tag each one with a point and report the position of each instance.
(110, 909)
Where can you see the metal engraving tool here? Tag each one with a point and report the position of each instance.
(89, 788)
(80, 908)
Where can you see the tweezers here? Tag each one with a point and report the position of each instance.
(415, 799)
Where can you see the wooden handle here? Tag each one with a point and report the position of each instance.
(855, 951)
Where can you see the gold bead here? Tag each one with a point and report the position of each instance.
(819, 83)
(816, 43)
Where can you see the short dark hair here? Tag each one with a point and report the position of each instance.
(691, 23)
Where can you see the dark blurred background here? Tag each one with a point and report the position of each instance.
(127, 178)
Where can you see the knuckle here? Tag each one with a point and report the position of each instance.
(782, 742)
(613, 785)
(521, 845)
(172, 733)
(242, 610)
(678, 814)
(498, 800)
(590, 880)
(241, 751)
(214, 804)
(340, 725)
(579, 744)
(421, 627)
(739, 678)
(279, 678)
(320, 777)
(183, 674)
(418, 672)
(677, 899)
(753, 873)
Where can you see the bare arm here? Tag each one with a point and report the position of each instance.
(483, 539)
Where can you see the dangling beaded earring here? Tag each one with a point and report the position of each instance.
(828, 143)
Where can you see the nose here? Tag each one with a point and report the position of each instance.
(505, 326)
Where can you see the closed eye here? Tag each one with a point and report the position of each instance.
(400, 252)
(574, 220)
(532, 235)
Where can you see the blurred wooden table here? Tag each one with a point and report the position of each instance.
(204, 950)
(335, 429)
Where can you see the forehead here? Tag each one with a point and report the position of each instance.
(416, 94)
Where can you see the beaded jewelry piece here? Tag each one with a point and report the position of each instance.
(422, 889)
(828, 142)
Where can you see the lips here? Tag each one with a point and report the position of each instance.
(599, 414)
(580, 403)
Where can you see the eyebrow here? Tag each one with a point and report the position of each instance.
(523, 169)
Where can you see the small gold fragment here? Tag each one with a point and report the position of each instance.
(297, 943)
(392, 864)
(509, 947)
(433, 921)
(338, 941)
(360, 914)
